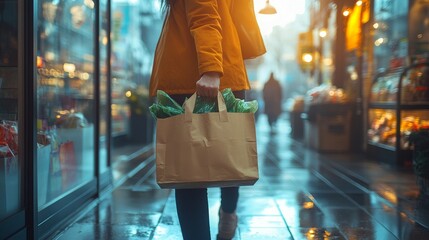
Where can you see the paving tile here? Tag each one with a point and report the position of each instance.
(257, 206)
(126, 200)
(106, 232)
(149, 220)
(332, 200)
(358, 224)
(303, 214)
(261, 221)
(170, 232)
(317, 233)
(265, 233)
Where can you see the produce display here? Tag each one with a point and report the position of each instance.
(326, 94)
(8, 139)
(415, 87)
(386, 88)
(383, 126)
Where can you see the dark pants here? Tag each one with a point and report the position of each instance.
(271, 119)
(193, 210)
(192, 204)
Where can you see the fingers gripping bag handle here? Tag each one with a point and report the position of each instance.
(190, 105)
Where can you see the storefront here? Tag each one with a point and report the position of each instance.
(377, 50)
(73, 96)
(398, 94)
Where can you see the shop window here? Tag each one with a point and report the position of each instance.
(10, 198)
(135, 27)
(65, 97)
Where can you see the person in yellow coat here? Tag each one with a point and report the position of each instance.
(199, 51)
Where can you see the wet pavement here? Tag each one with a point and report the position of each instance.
(301, 194)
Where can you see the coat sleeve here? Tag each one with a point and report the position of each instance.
(204, 23)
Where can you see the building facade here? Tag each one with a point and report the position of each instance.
(377, 51)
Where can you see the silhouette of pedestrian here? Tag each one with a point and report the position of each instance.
(272, 98)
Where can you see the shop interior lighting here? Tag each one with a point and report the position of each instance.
(39, 62)
(69, 67)
(375, 25)
(346, 12)
(354, 76)
(379, 41)
(359, 3)
(323, 33)
(89, 3)
(268, 9)
(308, 205)
(307, 57)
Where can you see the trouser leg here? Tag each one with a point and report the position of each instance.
(193, 212)
(229, 199)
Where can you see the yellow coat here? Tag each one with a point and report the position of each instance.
(198, 36)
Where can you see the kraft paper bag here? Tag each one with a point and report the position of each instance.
(216, 149)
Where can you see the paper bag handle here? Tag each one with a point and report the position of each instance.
(190, 105)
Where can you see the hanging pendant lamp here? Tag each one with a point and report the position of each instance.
(268, 9)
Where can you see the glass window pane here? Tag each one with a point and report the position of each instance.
(103, 38)
(382, 127)
(419, 30)
(390, 34)
(135, 29)
(10, 200)
(65, 96)
(411, 120)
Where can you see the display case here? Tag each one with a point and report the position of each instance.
(399, 103)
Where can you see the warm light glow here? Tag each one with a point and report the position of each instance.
(311, 233)
(376, 25)
(307, 57)
(359, 3)
(378, 42)
(39, 61)
(354, 76)
(327, 61)
(128, 93)
(84, 76)
(308, 205)
(286, 13)
(323, 32)
(69, 67)
(89, 3)
(346, 12)
(105, 40)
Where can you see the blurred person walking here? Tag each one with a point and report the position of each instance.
(200, 51)
(272, 94)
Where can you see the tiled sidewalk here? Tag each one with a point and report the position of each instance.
(301, 194)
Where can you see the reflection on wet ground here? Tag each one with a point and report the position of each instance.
(301, 194)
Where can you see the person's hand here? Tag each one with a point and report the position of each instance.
(208, 85)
